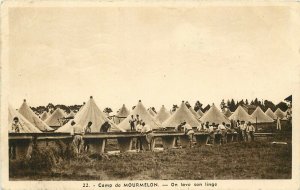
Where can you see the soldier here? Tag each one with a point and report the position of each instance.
(149, 135)
(132, 123)
(188, 130)
(78, 139)
(86, 144)
(223, 132)
(251, 130)
(15, 128)
(243, 128)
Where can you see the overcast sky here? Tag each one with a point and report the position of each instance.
(158, 55)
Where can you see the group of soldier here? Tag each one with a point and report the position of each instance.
(244, 130)
(137, 124)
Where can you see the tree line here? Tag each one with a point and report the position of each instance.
(230, 104)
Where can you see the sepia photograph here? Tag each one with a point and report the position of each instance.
(175, 95)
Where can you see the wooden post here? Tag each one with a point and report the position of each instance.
(97, 145)
(168, 142)
(21, 146)
(202, 139)
(125, 143)
(184, 141)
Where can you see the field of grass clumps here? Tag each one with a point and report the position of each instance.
(258, 160)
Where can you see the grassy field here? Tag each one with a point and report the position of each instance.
(258, 160)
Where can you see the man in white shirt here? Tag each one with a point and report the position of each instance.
(147, 130)
(223, 132)
(243, 128)
(78, 132)
(16, 127)
(139, 145)
(251, 130)
(211, 132)
(188, 130)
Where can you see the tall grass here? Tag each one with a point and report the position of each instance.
(256, 160)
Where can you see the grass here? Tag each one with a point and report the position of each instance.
(258, 160)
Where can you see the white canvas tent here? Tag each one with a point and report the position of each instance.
(213, 115)
(194, 113)
(56, 118)
(271, 114)
(143, 115)
(163, 114)
(27, 127)
(89, 112)
(71, 114)
(121, 115)
(280, 114)
(180, 115)
(241, 115)
(151, 112)
(200, 113)
(27, 112)
(44, 115)
(260, 117)
(227, 113)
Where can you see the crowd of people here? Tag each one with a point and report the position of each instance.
(245, 131)
(242, 128)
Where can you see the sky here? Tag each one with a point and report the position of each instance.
(160, 55)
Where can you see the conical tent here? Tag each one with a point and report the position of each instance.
(227, 113)
(163, 114)
(213, 115)
(27, 112)
(270, 113)
(200, 113)
(44, 115)
(27, 127)
(143, 115)
(260, 117)
(121, 115)
(181, 114)
(56, 118)
(71, 114)
(90, 112)
(194, 113)
(240, 114)
(280, 114)
(151, 112)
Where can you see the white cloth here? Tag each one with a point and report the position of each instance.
(221, 127)
(139, 128)
(146, 128)
(211, 129)
(250, 128)
(77, 129)
(243, 127)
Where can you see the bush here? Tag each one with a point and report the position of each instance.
(42, 159)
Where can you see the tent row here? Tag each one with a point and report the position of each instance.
(90, 112)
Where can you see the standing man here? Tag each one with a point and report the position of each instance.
(223, 133)
(78, 139)
(251, 130)
(211, 133)
(139, 141)
(178, 129)
(188, 130)
(105, 127)
(243, 127)
(149, 135)
(15, 128)
(86, 143)
(132, 123)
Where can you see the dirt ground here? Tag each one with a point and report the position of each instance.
(257, 160)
